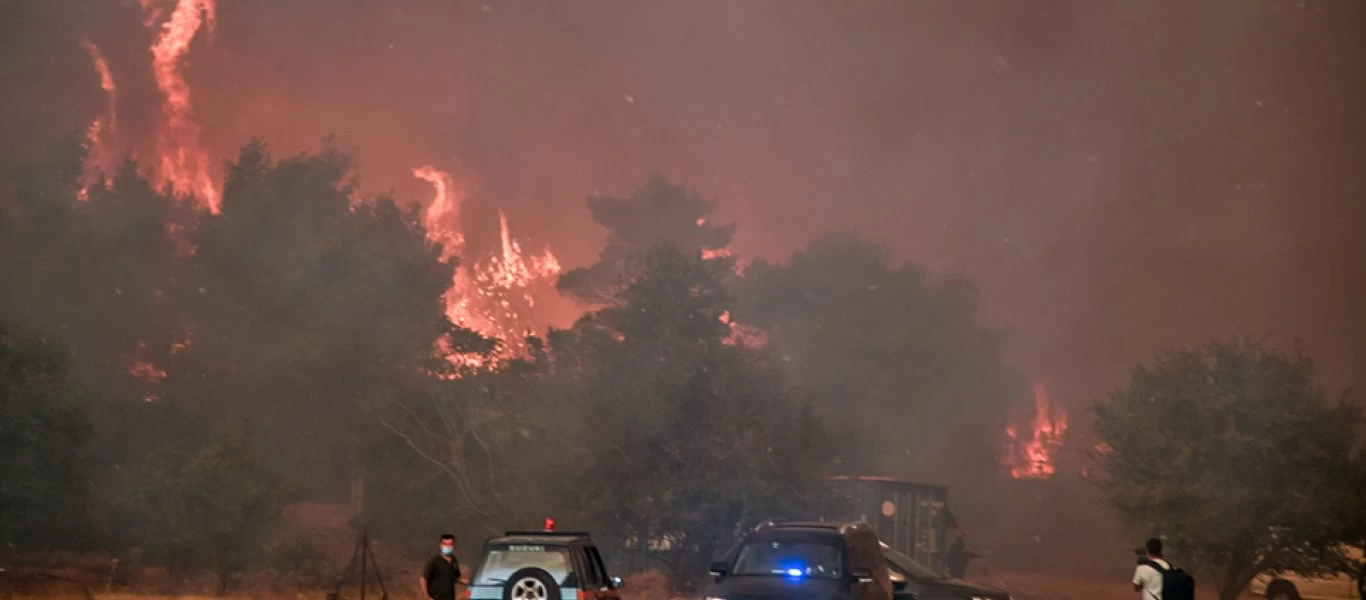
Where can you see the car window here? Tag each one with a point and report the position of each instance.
(501, 562)
(595, 564)
(790, 559)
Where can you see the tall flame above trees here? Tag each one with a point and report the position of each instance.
(183, 164)
(98, 159)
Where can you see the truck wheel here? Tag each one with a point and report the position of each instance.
(1282, 590)
(531, 584)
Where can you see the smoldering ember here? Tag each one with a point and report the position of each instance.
(646, 300)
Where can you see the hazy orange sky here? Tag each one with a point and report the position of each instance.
(1116, 176)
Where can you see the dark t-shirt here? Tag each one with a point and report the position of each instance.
(441, 576)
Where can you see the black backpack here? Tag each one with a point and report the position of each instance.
(1176, 583)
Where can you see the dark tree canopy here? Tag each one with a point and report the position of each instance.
(215, 506)
(307, 303)
(656, 213)
(891, 347)
(699, 435)
(44, 439)
(1233, 453)
(297, 304)
(98, 275)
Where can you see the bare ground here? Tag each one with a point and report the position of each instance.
(645, 586)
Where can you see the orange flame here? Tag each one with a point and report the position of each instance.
(743, 335)
(146, 371)
(439, 216)
(494, 296)
(491, 295)
(106, 80)
(184, 164)
(513, 270)
(97, 158)
(1034, 459)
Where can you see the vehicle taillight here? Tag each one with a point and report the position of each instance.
(549, 524)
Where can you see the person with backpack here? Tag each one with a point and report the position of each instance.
(1156, 579)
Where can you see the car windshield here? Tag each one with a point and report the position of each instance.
(908, 566)
(790, 559)
(501, 562)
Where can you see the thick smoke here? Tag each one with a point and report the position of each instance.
(1116, 178)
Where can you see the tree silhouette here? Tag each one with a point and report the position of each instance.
(1232, 452)
(656, 213)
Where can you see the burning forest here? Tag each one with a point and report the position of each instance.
(664, 271)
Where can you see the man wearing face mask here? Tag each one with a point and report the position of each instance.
(441, 573)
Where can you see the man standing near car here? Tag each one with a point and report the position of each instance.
(1148, 580)
(441, 573)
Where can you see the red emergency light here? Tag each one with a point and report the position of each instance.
(549, 524)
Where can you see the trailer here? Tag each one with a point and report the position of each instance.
(912, 518)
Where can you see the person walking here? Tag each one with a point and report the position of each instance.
(959, 556)
(442, 572)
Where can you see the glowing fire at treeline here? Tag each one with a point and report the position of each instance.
(1033, 458)
(492, 292)
(487, 294)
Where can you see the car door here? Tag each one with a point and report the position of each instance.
(596, 584)
(864, 553)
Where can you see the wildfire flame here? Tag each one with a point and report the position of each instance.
(106, 80)
(491, 294)
(184, 164)
(1034, 459)
(146, 371)
(97, 159)
(743, 335)
(439, 216)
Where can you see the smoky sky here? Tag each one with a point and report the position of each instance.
(1117, 177)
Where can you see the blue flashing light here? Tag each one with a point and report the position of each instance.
(794, 573)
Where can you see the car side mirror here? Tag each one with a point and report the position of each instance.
(861, 575)
(617, 583)
(719, 569)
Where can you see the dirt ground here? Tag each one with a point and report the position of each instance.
(647, 586)
(1040, 586)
